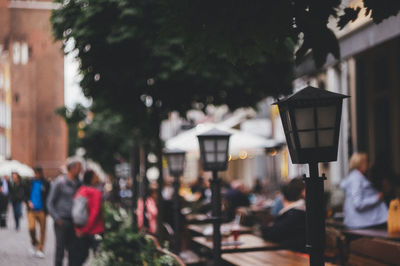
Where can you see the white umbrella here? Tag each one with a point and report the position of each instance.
(97, 169)
(89, 164)
(240, 142)
(9, 166)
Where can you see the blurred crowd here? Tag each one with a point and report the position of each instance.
(75, 190)
(74, 201)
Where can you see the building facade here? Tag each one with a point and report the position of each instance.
(31, 86)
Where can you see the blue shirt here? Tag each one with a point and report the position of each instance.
(277, 206)
(4, 187)
(36, 195)
(362, 206)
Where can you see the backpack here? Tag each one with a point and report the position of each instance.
(80, 214)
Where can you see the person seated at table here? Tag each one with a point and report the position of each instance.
(235, 197)
(363, 205)
(383, 177)
(198, 188)
(289, 228)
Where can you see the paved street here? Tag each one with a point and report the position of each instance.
(14, 245)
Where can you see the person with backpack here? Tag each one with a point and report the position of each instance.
(87, 215)
(35, 198)
(59, 204)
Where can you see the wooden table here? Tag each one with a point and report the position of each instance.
(377, 233)
(248, 243)
(198, 219)
(263, 258)
(199, 229)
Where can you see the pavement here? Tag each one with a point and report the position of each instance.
(14, 244)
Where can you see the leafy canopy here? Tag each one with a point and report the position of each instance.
(243, 30)
(130, 65)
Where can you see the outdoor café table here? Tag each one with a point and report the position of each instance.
(265, 258)
(203, 229)
(246, 242)
(375, 233)
(198, 218)
(258, 258)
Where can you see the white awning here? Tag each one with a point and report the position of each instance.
(240, 142)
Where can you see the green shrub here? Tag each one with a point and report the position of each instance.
(124, 245)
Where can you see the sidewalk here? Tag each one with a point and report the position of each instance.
(14, 244)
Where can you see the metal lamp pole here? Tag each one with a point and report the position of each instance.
(216, 213)
(315, 215)
(177, 215)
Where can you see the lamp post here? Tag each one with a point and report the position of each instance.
(214, 146)
(311, 122)
(176, 161)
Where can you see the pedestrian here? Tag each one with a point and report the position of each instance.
(363, 205)
(4, 198)
(37, 192)
(95, 224)
(59, 204)
(17, 197)
(147, 213)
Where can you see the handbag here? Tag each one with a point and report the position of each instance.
(393, 222)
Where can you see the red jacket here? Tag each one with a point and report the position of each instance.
(95, 224)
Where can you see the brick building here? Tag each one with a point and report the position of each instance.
(31, 86)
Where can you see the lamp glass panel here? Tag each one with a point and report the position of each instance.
(307, 139)
(210, 157)
(222, 145)
(325, 138)
(293, 144)
(288, 121)
(304, 118)
(221, 157)
(175, 162)
(209, 145)
(326, 116)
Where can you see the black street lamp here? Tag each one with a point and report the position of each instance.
(214, 146)
(311, 121)
(176, 162)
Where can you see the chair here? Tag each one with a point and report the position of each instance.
(186, 257)
(335, 243)
(163, 251)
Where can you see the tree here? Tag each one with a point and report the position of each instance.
(126, 63)
(72, 119)
(107, 140)
(244, 30)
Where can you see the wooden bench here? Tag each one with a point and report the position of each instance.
(367, 251)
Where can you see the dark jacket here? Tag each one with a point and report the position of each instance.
(45, 192)
(289, 230)
(17, 192)
(234, 199)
